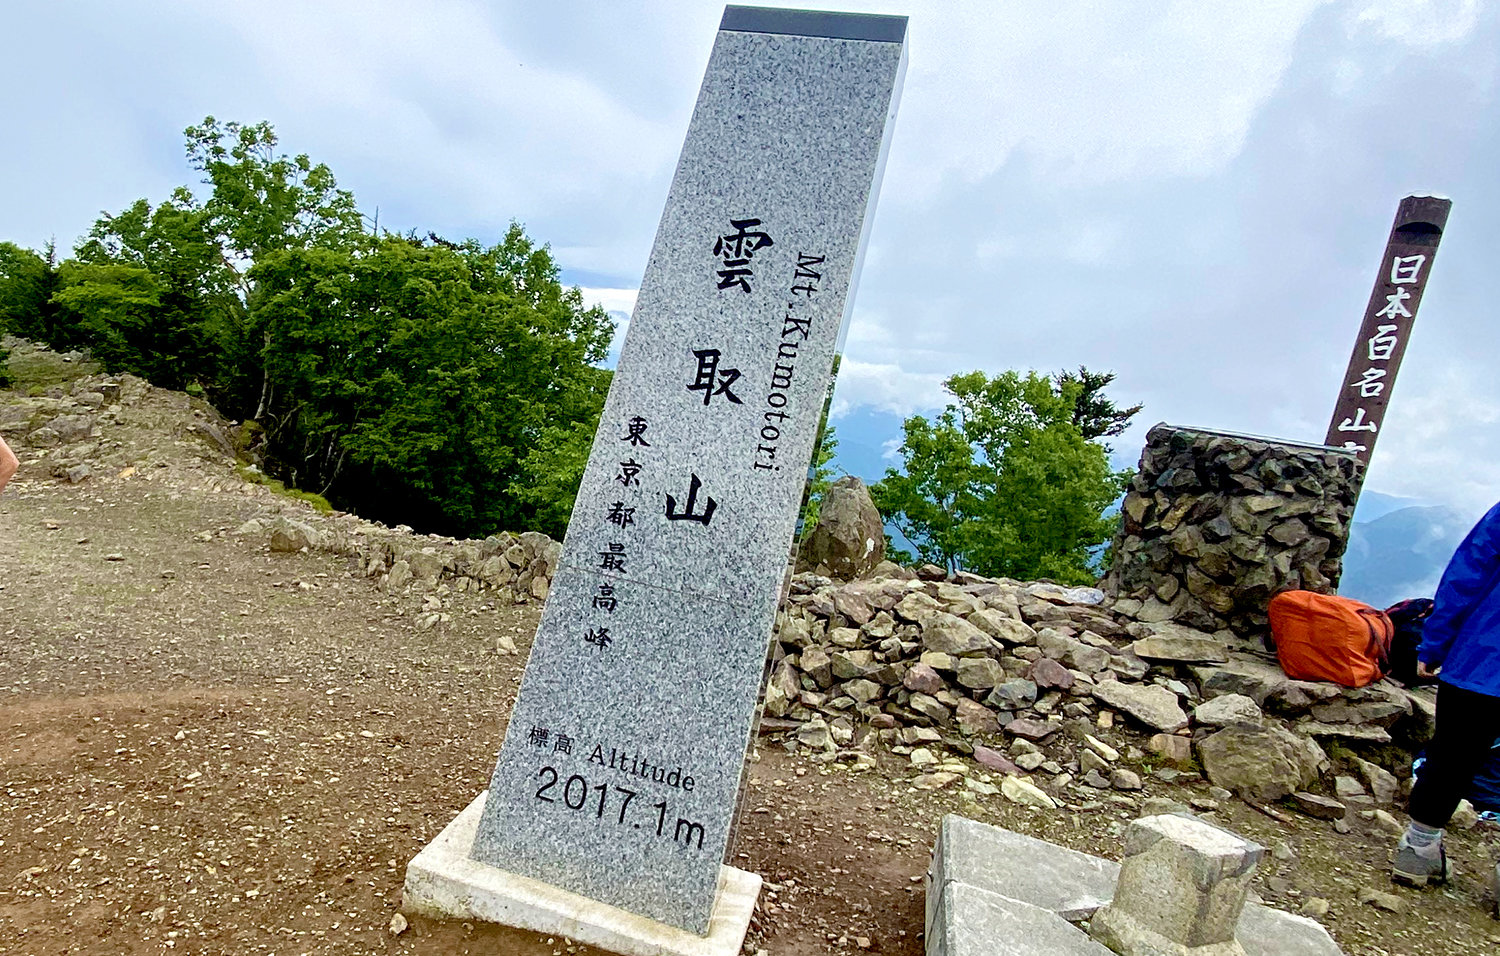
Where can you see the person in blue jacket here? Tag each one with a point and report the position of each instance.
(1461, 647)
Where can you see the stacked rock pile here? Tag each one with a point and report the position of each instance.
(519, 566)
(61, 430)
(1214, 524)
(1057, 690)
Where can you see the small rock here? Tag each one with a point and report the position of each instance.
(1387, 822)
(1122, 779)
(1032, 729)
(1314, 907)
(1031, 761)
(1389, 902)
(995, 760)
(937, 781)
(1023, 791)
(1226, 710)
(1323, 808)
(398, 924)
(1096, 780)
(1176, 749)
(1101, 748)
(1464, 818)
(1155, 806)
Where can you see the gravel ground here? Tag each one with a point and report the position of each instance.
(209, 748)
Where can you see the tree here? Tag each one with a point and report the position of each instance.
(821, 471)
(27, 283)
(451, 387)
(1004, 482)
(1095, 415)
(148, 289)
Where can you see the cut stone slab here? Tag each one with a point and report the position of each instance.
(1019, 867)
(974, 922)
(1182, 887)
(1074, 885)
(443, 882)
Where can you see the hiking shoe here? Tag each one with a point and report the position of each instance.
(1413, 869)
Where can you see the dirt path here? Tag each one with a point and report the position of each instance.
(207, 748)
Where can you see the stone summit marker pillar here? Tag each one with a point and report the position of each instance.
(615, 790)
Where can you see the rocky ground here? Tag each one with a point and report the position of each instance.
(210, 746)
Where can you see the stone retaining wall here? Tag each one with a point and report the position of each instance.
(1215, 524)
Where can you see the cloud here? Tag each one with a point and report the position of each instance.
(1421, 22)
(886, 388)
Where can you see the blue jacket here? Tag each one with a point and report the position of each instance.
(1463, 633)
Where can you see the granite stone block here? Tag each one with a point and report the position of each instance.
(974, 922)
(1074, 885)
(1182, 885)
(655, 632)
(445, 883)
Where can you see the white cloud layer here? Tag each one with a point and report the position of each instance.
(1191, 194)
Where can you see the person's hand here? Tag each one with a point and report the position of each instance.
(1426, 671)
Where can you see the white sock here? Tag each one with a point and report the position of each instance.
(1424, 839)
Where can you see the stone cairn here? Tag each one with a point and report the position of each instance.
(1057, 696)
(1215, 524)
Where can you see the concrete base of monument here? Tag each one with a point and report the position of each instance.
(443, 882)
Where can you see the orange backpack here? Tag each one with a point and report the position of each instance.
(1332, 638)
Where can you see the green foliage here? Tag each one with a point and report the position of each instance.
(1095, 415)
(28, 281)
(318, 502)
(453, 387)
(820, 475)
(5, 378)
(447, 386)
(1003, 482)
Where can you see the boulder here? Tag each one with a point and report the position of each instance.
(288, 535)
(919, 678)
(1183, 648)
(849, 538)
(1227, 710)
(975, 718)
(1261, 763)
(1050, 674)
(1003, 627)
(980, 673)
(1156, 707)
(948, 634)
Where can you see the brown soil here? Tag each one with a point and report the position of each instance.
(209, 748)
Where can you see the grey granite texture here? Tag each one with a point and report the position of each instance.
(975, 922)
(789, 131)
(1182, 887)
(1073, 885)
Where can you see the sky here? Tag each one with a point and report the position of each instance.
(1192, 194)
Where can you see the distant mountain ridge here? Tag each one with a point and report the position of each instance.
(1400, 554)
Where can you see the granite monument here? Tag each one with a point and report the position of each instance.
(621, 764)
